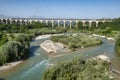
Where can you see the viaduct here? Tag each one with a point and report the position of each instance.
(26, 21)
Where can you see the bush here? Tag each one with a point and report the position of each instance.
(117, 44)
(10, 51)
(23, 39)
(76, 41)
(15, 50)
(3, 39)
(108, 30)
(78, 69)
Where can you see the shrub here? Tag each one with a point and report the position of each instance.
(23, 39)
(117, 44)
(15, 50)
(76, 41)
(10, 51)
(78, 69)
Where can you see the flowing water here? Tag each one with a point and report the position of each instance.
(33, 68)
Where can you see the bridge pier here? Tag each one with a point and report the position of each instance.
(76, 24)
(97, 23)
(64, 24)
(83, 23)
(46, 22)
(10, 21)
(30, 21)
(25, 22)
(20, 22)
(6, 22)
(52, 23)
(2, 21)
(90, 23)
(70, 24)
(58, 23)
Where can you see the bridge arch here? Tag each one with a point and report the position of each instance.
(61, 23)
(23, 22)
(100, 24)
(55, 23)
(86, 25)
(80, 24)
(93, 24)
(4, 21)
(44, 21)
(67, 24)
(8, 21)
(49, 23)
(73, 24)
(13, 22)
(18, 22)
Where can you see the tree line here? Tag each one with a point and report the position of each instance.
(114, 25)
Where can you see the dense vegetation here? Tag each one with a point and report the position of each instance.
(3, 38)
(76, 41)
(79, 69)
(15, 49)
(114, 25)
(118, 43)
(15, 39)
(8, 38)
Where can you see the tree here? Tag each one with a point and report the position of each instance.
(15, 50)
(10, 51)
(86, 25)
(117, 44)
(3, 39)
(108, 30)
(80, 25)
(24, 40)
(93, 25)
(78, 69)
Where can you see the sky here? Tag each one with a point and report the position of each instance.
(61, 8)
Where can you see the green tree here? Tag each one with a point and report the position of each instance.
(24, 40)
(80, 25)
(10, 51)
(3, 39)
(78, 69)
(108, 30)
(118, 43)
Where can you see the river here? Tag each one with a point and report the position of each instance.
(34, 67)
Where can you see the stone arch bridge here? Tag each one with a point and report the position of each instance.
(26, 21)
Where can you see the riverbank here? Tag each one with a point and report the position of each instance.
(9, 65)
(37, 72)
(102, 57)
(13, 64)
(53, 47)
(98, 66)
(102, 36)
(46, 36)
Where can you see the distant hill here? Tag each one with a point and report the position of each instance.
(4, 16)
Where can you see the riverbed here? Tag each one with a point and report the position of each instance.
(34, 67)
